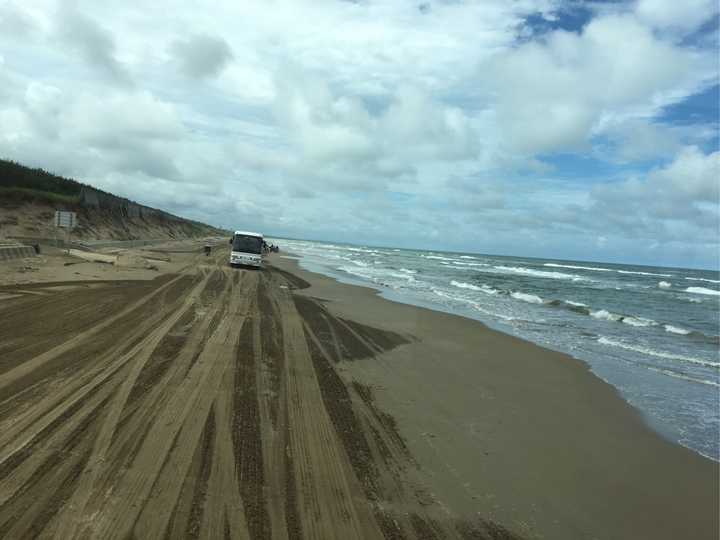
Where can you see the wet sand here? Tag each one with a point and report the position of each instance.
(201, 401)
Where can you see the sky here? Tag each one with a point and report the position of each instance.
(557, 129)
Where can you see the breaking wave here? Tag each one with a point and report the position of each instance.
(483, 288)
(437, 257)
(530, 298)
(461, 285)
(539, 273)
(473, 304)
(361, 250)
(658, 354)
(380, 276)
(634, 273)
(676, 330)
(625, 319)
(593, 268)
(677, 375)
(702, 290)
(598, 269)
(356, 262)
(703, 279)
(470, 263)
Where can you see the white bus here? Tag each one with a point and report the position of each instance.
(247, 248)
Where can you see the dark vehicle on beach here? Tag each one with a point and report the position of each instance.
(247, 249)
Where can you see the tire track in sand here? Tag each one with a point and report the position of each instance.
(27, 442)
(327, 492)
(14, 375)
(95, 463)
(178, 427)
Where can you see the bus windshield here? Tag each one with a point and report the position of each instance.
(247, 244)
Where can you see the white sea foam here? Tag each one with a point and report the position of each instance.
(538, 273)
(676, 375)
(467, 257)
(360, 272)
(605, 315)
(632, 272)
(702, 290)
(638, 321)
(676, 330)
(658, 354)
(361, 250)
(664, 285)
(384, 276)
(593, 268)
(408, 271)
(473, 304)
(469, 263)
(381, 276)
(576, 304)
(703, 279)
(462, 285)
(437, 257)
(597, 269)
(483, 288)
(530, 298)
(407, 277)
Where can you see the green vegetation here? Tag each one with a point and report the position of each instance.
(17, 194)
(21, 185)
(14, 175)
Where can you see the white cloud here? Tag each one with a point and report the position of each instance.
(693, 176)
(122, 118)
(202, 56)
(680, 197)
(14, 21)
(375, 119)
(94, 43)
(670, 14)
(555, 94)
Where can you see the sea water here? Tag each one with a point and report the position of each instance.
(651, 332)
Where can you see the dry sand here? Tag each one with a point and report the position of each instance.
(197, 400)
(55, 264)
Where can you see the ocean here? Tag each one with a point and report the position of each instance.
(651, 332)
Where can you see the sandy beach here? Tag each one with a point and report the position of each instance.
(188, 399)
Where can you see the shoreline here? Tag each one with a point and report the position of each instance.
(519, 433)
(657, 424)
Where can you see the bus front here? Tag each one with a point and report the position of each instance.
(246, 249)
